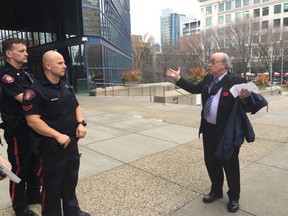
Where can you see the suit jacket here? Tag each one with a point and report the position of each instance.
(238, 127)
(226, 100)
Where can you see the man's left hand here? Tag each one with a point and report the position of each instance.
(244, 93)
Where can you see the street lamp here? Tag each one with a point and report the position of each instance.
(271, 68)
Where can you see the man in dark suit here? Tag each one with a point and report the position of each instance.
(217, 103)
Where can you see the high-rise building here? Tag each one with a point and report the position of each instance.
(191, 27)
(92, 35)
(172, 26)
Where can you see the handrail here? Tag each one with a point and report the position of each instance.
(180, 92)
(278, 89)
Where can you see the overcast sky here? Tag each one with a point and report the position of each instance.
(145, 14)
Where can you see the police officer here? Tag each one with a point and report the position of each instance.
(14, 80)
(53, 112)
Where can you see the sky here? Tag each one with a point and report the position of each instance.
(145, 14)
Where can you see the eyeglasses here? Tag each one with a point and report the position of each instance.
(214, 62)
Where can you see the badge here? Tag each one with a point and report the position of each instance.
(28, 94)
(8, 79)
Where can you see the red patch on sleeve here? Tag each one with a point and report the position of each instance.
(26, 108)
(28, 94)
(8, 79)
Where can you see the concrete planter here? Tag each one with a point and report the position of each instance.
(129, 83)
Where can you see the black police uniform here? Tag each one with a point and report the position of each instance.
(56, 104)
(16, 134)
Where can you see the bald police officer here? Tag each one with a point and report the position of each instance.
(53, 111)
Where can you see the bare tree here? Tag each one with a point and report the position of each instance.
(144, 55)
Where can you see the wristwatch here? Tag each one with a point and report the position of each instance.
(83, 122)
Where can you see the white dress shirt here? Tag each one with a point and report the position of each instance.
(214, 105)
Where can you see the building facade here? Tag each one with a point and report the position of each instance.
(191, 27)
(92, 35)
(270, 12)
(268, 20)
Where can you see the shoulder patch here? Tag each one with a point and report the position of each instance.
(28, 94)
(8, 79)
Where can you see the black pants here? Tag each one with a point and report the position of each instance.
(23, 161)
(60, 176)
(215, 166)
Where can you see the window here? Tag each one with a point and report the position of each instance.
(276, 23)
(255, 39)
(285, 7)
(246, 2)
(264, 38)
(208, 10)
(228, 18)
(277, 9)
(256, 26)
(285, 21)
(276, 36)
(284, 36)
(238, 4)
(257, 1)
(265, 0)
(255, 52)
(221, 20)
(256, 12)
(245, 14)
(221, 31)
(238, 16)
(228, 42)
(228, 5)
(264, 24)
(208, 33)
(265, 11)
(221, 43)
(208, 21)
(221, 7)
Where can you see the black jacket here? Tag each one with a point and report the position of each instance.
(237, 128)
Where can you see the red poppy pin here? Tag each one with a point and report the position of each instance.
(225, 94)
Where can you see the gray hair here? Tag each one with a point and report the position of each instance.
(226, 58)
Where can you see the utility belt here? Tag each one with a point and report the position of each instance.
(10, 122)
(53, 145)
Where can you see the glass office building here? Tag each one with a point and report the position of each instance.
(92, 35)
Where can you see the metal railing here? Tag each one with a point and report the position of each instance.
(159, 92)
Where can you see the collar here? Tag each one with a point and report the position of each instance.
(46, 81)
(221, 77)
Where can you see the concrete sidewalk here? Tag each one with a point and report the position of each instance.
(141, 158)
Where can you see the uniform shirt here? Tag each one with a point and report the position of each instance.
(13, 82)
(55, 103)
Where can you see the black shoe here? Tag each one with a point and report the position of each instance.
(82, 213)
(211, 197)
(233, 206)
(25, 212)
